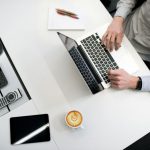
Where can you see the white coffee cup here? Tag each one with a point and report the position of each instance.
(74, 119)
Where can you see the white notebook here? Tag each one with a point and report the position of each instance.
(60, 22)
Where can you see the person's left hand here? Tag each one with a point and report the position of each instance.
(113, 36)
(120, 79)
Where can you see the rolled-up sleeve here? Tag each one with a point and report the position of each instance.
(124, 7)
(145, 83)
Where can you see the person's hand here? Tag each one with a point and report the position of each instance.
(120, 79)
(112, 38)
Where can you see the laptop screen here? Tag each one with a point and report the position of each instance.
(68, 42)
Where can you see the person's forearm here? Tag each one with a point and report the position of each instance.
(145, 83)
(124, 7)
(118, 19)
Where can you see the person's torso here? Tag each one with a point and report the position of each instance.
(137, 28)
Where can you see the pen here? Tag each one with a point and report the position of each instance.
(72, 16)
(67, 13)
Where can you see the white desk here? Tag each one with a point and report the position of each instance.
(112, 119)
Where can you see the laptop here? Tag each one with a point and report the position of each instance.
(94, 60)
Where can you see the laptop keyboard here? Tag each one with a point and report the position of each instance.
(99, 55)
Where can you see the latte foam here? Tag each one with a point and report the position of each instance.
(74, 118)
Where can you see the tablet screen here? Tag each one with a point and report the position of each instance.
(141, 144)
(29, 129)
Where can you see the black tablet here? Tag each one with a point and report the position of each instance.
(29, 129)
(141, 144)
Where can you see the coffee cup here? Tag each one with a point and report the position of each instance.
(74, 119)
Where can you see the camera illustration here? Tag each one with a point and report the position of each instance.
(10, 98)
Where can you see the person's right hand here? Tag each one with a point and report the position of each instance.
(121, 79)
(114, 34)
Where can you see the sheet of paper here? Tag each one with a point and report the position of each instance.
(60, 22)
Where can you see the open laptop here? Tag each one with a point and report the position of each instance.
(94, 60)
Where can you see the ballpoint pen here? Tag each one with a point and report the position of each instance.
(67, 13)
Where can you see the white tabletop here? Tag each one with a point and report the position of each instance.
(113, 119)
